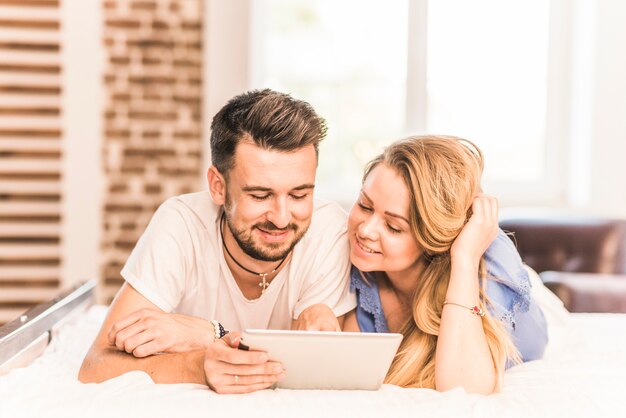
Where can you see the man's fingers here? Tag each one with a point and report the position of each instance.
(122, 336)
(147, 349)
(232, 339)
(131, 343)
(268, 368)
(234, 383)
(235, 356)
(127, 321)
(265, 379)
(242, 388)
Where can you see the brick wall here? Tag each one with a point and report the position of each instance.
(152, 118)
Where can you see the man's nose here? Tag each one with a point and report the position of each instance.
(280, 215)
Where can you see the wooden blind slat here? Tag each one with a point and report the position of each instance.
(8, 100)
(30, 166)
(16, 252)
(29, 79)
(29, 230)
(24, 209)
(29, 145)
(29, 273)
(30, 187)
(27, 124)
(28, 35)
(18, 13)
(46, 58)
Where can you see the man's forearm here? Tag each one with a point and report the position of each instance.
(104, 363)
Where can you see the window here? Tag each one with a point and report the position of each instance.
(480, 70)
(348, 59)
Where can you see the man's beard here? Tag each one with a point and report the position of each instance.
(269, 252)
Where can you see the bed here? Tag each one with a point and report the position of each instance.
(581, 375)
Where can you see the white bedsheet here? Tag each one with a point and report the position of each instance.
(582, 375)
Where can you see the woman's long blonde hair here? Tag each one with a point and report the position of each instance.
(442, 174)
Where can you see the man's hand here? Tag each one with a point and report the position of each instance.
(148, 331)
(230, 370)
(317, 317)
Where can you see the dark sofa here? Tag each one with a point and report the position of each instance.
(581, 259)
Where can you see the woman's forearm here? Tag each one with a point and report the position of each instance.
(463, 357)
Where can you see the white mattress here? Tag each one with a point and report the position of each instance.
(582, 375)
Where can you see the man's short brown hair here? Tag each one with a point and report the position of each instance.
(272, 120)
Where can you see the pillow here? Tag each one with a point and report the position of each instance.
(557, 317)
(550, 304)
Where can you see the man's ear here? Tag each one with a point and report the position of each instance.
(217, 185)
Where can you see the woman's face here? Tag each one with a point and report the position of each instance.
(378, 226)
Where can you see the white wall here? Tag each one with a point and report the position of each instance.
(608, 159)
(82, 130)
(226, 66)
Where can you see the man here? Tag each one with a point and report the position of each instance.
(256, 251)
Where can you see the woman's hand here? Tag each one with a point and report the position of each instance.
(479, 231)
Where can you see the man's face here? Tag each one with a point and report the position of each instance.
(269, 199)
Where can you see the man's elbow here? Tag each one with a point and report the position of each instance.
(87, 372)
(90, 371)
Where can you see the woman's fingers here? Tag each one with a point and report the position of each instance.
(485, 209)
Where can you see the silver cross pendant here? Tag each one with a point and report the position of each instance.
(264, 283)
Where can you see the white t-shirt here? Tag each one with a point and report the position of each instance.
(178, 264)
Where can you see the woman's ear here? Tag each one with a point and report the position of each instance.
(217, 185)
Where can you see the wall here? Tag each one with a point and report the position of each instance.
(608, 159)
(152, 114)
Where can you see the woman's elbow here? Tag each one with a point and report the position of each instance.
(483, 386)
(473, 389)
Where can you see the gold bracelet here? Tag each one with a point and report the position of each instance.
(474, 309)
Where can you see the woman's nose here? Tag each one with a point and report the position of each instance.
(368, 228)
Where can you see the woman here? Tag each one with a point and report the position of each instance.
(431, 263)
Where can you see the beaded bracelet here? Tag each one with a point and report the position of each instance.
(219, 330)
(474, 309)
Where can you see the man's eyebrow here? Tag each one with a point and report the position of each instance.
(394, 215)
(269, 190)
(304, 186)
(256, 189)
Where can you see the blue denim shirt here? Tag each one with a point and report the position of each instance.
(508, 288)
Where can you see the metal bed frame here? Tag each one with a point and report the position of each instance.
(25, 338)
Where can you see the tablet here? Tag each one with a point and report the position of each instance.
(327, 360)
